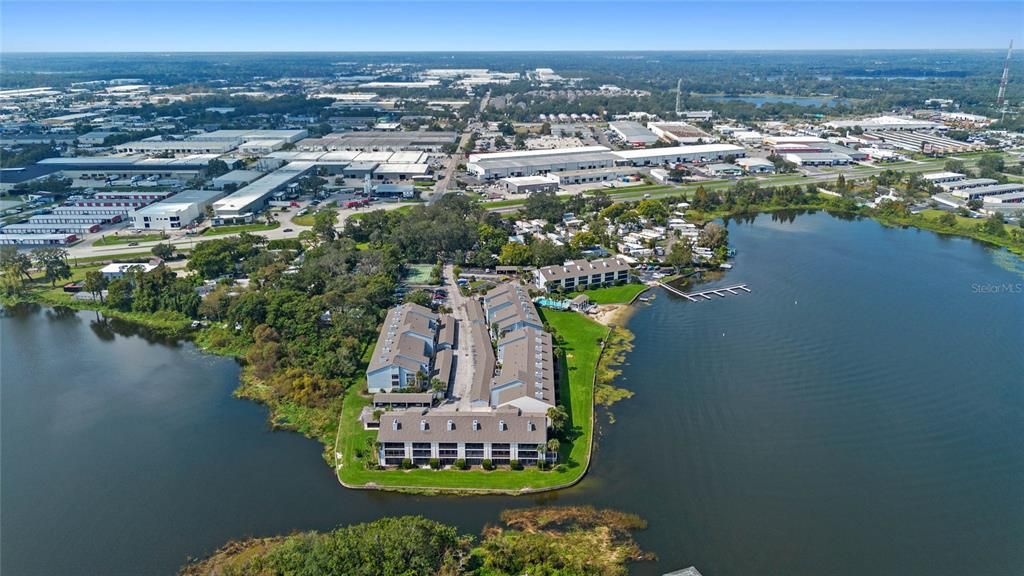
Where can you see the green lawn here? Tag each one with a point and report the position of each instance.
(75, 261)
(113, 240)
(224, 230)
(306, 219)
(612, 294)
(579, 339)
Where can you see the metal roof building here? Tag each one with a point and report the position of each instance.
(633, 133)
(532, 162)
(254, 197)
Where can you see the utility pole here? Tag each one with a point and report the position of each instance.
(1001, 97)
(679, 95)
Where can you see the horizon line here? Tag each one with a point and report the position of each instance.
(498, 51)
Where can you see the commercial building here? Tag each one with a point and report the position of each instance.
(175, 212)
(237, 178)
(818, 158)
(886, 123)
(116, 270)
(530, 184)
(581, 274)
(943, 177)
(679, 154)
(101, 168)
(597, 175)
(679, 132)
(217, 142)
(531, 162)
(243, 205)
(927, 143)
(400, 172)
(756, 165)
(375, 140)
(288, 135)
(633, 133)
(982, 192)
(260, 147)
(130, 199)
(720, 169)
(177, 146)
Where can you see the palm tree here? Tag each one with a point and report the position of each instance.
(553, 447)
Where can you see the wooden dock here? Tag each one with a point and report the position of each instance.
(707, 294)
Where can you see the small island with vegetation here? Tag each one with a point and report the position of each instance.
(581, 541)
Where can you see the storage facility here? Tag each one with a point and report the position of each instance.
(981, 192)
(66, 229)
(36, 239)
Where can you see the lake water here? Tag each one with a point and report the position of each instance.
(761, 100)
(861, 411)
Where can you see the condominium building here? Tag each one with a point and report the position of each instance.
(581, 274)
(511, 381)
(405, 349)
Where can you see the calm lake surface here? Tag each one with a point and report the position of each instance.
(860, 412)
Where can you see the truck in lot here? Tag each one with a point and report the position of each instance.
(357, 203)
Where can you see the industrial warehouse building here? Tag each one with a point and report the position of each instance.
(217, 142)
(633, 133)
(243, 205)
(237, 178)
(818, 158)
(127, 167)
(175, 212)
(756, 165)
(886, 123)
(532, 162)
(679, 132)
(530, 184)
(680, 154)
(380, 140)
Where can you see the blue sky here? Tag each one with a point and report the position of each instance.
(194, 25)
